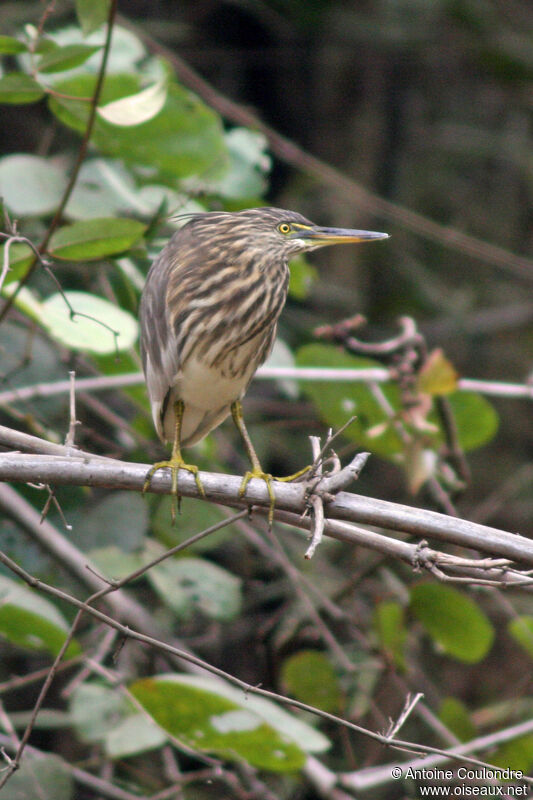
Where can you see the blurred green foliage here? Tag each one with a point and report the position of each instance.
(427, 101)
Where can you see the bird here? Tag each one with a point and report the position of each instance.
(208, 317)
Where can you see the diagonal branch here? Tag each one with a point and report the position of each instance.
(455, 753)
(291, 153)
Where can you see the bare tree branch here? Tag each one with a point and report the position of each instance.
(372, 777)
(82, 470)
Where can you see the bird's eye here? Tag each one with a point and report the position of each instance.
(284, 227)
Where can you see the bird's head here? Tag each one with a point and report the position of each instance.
(269, 233)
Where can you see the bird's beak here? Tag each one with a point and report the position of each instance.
(318, 237)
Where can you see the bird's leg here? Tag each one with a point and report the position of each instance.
(176, 462)
(257, 471)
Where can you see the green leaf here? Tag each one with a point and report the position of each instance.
(95, 330)
(455, 716)
(212, 716)
(19, 88)
(204, 516)
(244, 177)
(136, 108)
(135, 734)
(103, 715)
(120, 518)
(92, 14)
(193, 584)
(28, 620)
(43, 776)
(309, 676)
(115, 563)
(30, 185)
(454, 621)
(185, 138)
(338, 401)
(516, 755)
(390, 626)
(302, 276)
(9, 45)
(438, 376)
(475, 419)
(90, 240)
(521, 629)
(60, 59)
(20, 257)
(95, 710)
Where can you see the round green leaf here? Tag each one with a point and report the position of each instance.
(95, 330)
(515, 755)
(136, 734)
(41, 775)
(59, 59)
(303, 275)
(454, 621)
(9, 45)
(455, 716)
(309, 676)
(94, 709)
(521, 629)
(184, 138)
(91, 14)
(244, 176)
(28, 620)
(89, 240)
(121, 519)
(19, 88)
(475, 419)
(104, 715)
(210, 716)
(190, 584)
(337, 402)
(390, 626)
(31, 186)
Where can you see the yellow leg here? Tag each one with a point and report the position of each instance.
(175, 463)
(257, 471)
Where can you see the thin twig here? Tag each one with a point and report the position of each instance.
(130, 633)
(82, 151)
(511, 391)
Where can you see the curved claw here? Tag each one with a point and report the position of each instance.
(267, 478)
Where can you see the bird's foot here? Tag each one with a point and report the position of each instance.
(264, 476)
(174, 465)
(295, 475)
(267, 478)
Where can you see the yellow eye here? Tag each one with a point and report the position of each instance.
(284, 227)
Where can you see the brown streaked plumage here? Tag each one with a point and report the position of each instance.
(209, 312)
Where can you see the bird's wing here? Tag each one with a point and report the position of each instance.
(159, 346)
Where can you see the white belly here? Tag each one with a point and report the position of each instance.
(208, 392)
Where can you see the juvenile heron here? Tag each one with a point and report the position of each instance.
(209, 312)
